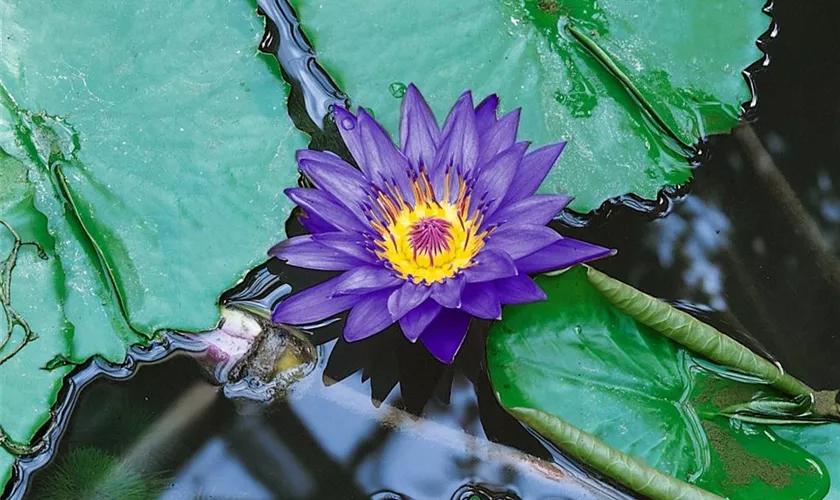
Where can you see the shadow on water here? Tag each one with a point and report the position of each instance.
(752, 250)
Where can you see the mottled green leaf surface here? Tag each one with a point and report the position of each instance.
(145, 147)
(646, 396)
(630, 83)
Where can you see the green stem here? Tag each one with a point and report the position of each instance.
(695, 335)
(588, 449)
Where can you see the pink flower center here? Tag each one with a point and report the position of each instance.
(430, 236)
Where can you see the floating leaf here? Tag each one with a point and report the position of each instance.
(583, 372)
(149, 148)
(631, 84)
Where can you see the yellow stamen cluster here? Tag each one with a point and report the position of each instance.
(451, 246)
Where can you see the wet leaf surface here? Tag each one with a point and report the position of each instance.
(632, 85)
(147, 148)
(641, 393)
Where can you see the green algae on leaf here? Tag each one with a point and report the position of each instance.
(633, 85)
(616, 381)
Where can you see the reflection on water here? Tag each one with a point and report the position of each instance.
(323, 442)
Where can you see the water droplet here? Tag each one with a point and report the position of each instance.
(397, 89)
(578, 330)
(348, 124)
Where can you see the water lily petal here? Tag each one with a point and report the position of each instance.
(448, 293)
(519, 240)
(458, 145)
(365, 279)
(485, 112)
(490, 265)
(415, 322)
(519, 289)
(352, 244)
(494, 179)
(314, 223)
(481, 300)
(314, 304)
(322, 204)
(303, 251)
(538, 209)
(499, 137)
(368, 317)
(332, 174)
(563, 253)
(384, 164)
(419, 131)
(406, 298)
(535, 167)
(445, 335)
(347, 127)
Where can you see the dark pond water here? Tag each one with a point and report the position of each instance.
(754, 245)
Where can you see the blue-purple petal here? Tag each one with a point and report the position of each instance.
(519, 240)
(481, 300)
(415, 321)
(350, 243)
(303, 251)
(458, 148)
(406, 298)
(365, 279)
(535, 167)
(383, 164)
(368, 317)
(347, 185)
(419, 131)
(490, 265)
(485, 113)
(448, 293)
(349, 130)
(519, 289)
(494, 179)
(538, 209)
(499, 137)
(322, 204)
(445, 335)
(314, 304)
(561, 254)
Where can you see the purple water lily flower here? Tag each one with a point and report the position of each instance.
(430, 234)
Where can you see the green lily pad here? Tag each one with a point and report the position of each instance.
(631, 84)
(146, 148)
(579, 359)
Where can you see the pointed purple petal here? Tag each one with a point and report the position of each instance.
(494, 179)
(500, 136)
(518, 290)
(538, 210)
(314, 223)
(563, 253)
(365, 279)
(346, 184)
(322, 204)
(519, 240)
(535, 167)
(481, 300)
(302, 251)
(445, 335)
(485, 112)
(459, 143)
(490, 265)
(419, 131)
(384, 164)
(416, 321)
(350, 243)
(448, 293)
(347, 127)
(313, 304)
(406, 298)
(369, 317)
